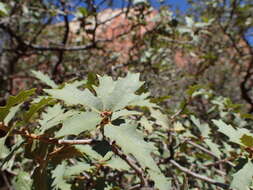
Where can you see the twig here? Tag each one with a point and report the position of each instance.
(219, 162)
(25, 45)
(7, 158)
(75, 142)
(64, 40)
(6, 181)
(201, 177)
(201, 148)
(134, 187)
(45, 139)
(62, 48)
(208, 152)
(187, 102)
(244, 90)
(138, 170)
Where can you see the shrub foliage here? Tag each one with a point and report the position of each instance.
(109, 134)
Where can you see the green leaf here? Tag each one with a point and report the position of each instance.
(178, 127)
(213, 147)
(22, 181)
(161, 182)
(243, 178)
(123, 113)
(148, 125)
(53, 116)
(233, 134)
(109, 187)
(189, 21)
(143, 101)
(161, 119)
(71, 95)
(192, 89)
(91, 80)
(203, 128)
(159, 99)
(45, 79)
(13, 101)
(105, 88)
(76, 169)
(247, 140)
(35, 108)
(3, 9)
(116, 95)
(59, 181)
(84, 121)
(117, 163)
(246, 116)
(227, 130)
(136, 2)
(11, 114)
(83, 11)
(3, 149)
(62, 173)
(131, 141)
(8, 156)
(88, 151)
(111, 95)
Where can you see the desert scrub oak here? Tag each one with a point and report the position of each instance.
(101, 133)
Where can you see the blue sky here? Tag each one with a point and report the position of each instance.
(182, 5)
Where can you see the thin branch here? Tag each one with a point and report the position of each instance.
(244, 89)
(138, 170)
(6, 181)
(7, 158)
(219, 162)
(203, 149)
(135, 187)
(45, 139)
(24, 46)
(75, 142)
(40, 30)
(187, 102)
(64, 40)
(201, 177)
(62, 48)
